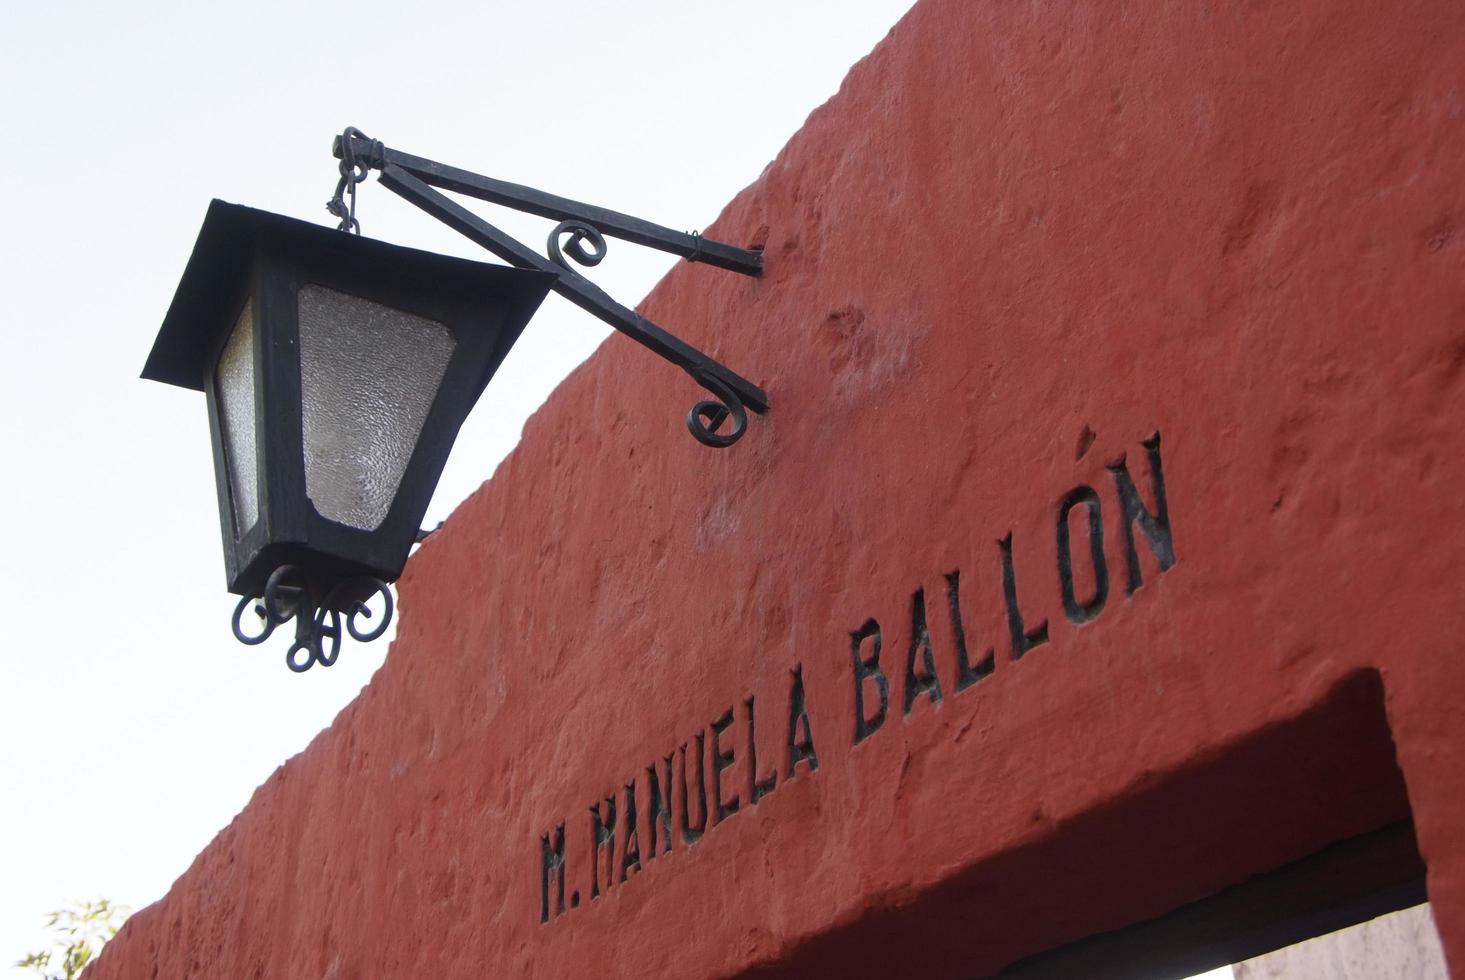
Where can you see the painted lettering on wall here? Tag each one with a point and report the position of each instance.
(688, 790)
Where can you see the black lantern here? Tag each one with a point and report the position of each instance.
(337, 371)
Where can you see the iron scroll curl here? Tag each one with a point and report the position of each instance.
(707, 416)
(278, 604)
(361, 609)
(579, 232)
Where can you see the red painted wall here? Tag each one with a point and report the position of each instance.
(1022, 240)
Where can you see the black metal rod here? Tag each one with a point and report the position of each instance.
(570, 284)
(694, 248)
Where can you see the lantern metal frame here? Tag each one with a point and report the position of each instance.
(417, 180)
(300, 563)
(294, 562)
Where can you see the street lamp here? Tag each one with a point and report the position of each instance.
(338, 371)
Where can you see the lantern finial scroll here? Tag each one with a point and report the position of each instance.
(289, 594)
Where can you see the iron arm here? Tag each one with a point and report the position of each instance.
(417, 179)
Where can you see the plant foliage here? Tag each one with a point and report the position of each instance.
(78, 935)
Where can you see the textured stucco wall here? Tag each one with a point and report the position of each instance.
(1021, 241)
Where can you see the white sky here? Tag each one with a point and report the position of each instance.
(133, 726)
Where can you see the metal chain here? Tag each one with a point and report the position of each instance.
(352, 173)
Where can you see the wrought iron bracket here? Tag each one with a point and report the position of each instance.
(289, 594)
(419, 181)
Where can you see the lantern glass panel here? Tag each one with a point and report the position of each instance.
(234, 382)
(368, 377)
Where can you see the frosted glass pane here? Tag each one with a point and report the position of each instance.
(368, 375)
(234, 383)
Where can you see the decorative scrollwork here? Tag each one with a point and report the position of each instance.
(360, 608)
(281, 597)
(289, 594)
(579, 232)
(706, 417)
(311, 634)
(266, 627)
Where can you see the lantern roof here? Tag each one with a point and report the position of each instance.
(201, 314)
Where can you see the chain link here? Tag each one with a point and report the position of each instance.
(352, 173)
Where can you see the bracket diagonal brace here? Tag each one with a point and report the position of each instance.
(416, 180)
